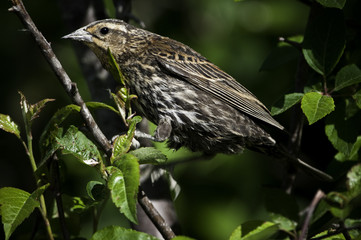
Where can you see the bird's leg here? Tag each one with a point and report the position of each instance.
(162, 132)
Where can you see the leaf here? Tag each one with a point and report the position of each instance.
(149, 155)
(339, 133)
(32, 111)
(52, 131)
(123, 184)
(96, 190)
(101, 105)
(236, 234)
(354, 181)
(78, 145)
(119, 233)
(129, 166)
(287, 102)
(332, 3)
(324, 40)
(258, 230)
(115, 70)
(315, 106)
(357, 98)
(182, 238)
(278, 57)
(16, 205)
(123, 143)
(347, 76)
(8, 125)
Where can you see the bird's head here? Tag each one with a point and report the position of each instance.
(106, 34)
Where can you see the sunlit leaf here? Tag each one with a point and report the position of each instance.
(236, 234)
(8, 125)
(149, 155)
(119, 233)
(316, 106)
(258, 230)
(74, 142)
(16, 205)
(101, 105)
(129, 166)
(122, 191)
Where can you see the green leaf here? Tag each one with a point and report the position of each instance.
(258, 230)
(324, 40)
(123, 184)
(354, 181)
(96, 190)
(182, 238)
(339, 133)
(32, 111)
(52, 131)
(123, 143)
(236, 234)
(278, 57)
(119, 233)
(78, 145)
(357, 98)
(115, 70)
(129, 166)
(149, 155)
(287, 102)
(347, 76)
(101, 105)
(8, 125)
(332, 3)
(16, 205)
(316, 106)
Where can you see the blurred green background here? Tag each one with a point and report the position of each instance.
(217, 195)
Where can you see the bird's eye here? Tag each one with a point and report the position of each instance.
(104, 30)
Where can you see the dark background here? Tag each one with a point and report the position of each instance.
(217, 195)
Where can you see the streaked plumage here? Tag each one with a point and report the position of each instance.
(194, 103)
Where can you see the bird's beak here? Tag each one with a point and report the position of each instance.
(80, 35)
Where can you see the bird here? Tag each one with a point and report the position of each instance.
(191, 100)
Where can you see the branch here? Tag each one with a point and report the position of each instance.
(71, 89)
(154, 215)
(319, 195)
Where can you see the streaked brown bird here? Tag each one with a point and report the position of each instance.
(192, 101)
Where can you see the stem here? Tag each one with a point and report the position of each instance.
(319, 195)
(29, 151)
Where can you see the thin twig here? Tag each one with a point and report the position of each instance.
(317, 198)
(73, 92)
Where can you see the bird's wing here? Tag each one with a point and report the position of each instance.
(188, 65)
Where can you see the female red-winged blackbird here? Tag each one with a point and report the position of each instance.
(193, 102)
